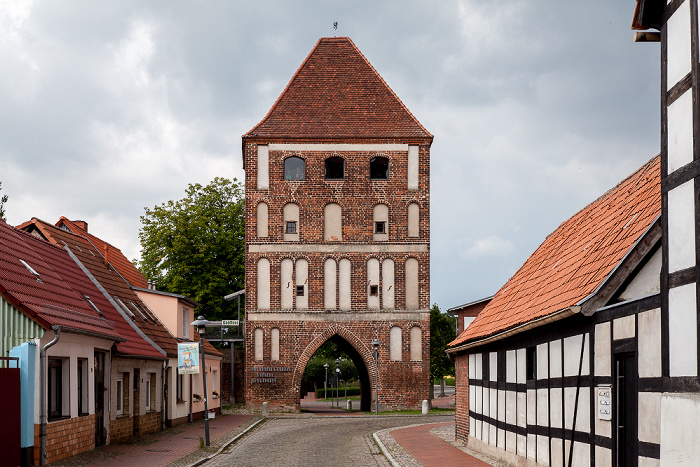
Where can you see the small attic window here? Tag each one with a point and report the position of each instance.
(379, 168)
(335, 168)
(32, 271)
(64, 227)
(94, 307)
(294, 168)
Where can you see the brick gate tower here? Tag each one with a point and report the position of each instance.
(337, 233)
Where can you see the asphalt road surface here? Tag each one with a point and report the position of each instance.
(319, 441)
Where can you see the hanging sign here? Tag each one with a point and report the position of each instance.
(187, 358)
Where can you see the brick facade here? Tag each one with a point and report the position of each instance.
(65, 438)
(304, 328)
(462, 397)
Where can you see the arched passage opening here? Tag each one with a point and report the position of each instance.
(339, 347)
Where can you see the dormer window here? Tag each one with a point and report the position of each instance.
(294, 168)
(335, 168)
(379, 168)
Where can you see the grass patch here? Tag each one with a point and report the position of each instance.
(449, 381)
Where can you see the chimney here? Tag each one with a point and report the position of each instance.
(82, 224)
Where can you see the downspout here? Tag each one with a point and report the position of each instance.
(164, 406)
(42, 384)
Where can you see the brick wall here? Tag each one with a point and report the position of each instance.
(239, 391)
(121, 428)
(65, 438)
(462, 397)
(150, 422)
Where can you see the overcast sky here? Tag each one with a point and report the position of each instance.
(537, 107)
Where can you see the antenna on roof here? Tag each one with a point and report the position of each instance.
(335, 27)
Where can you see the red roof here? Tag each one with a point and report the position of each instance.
(576, 258)
(43, 281)
(113, 284)
(337, 93)
(112, 254)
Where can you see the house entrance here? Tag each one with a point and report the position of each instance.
(100, 432)
(625, 410)
(353, 372)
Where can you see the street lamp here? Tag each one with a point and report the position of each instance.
(325, 383)
(337, 384)
(375, 353)
(200, 325)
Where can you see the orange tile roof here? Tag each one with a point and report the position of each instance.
(112, 254)
(336, 93)
(576, 258)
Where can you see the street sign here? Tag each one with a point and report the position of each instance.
(230, 322)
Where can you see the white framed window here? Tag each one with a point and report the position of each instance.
(58, 388)
(148, 394)
(185, 323)
(83, 391)
(120, 395)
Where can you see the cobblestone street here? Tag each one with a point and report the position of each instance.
(314, 441)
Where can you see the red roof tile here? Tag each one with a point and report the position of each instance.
(576, 258)
(337, 93)
(55, 294)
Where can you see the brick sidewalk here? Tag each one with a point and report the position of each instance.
(430, 450)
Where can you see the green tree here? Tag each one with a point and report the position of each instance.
(3, 200)
(195, 246)
(442, 332)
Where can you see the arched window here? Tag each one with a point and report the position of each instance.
(344, 287)
(413, 220)
(388, 284)
(379, 168)
(332, 223)
(411, 284)
(286, 284)
(258, 344)
(294, 168)
(262, 220)
(263, 284)
(274, 344)
(395, 344)
(290, 224)
(416, 344)
(381, 223)
(335, 168)
(373, 284)
(329, 284)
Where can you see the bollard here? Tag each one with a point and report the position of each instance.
(425, 407)
(265, 410)
(348, 405)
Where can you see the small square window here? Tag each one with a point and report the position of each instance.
(290, 227)
(380, 227)
(300, 290)
(374, 290)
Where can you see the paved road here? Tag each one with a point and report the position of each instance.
(449, 390)
(336, 441)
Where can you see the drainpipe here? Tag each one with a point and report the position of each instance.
(42, 384)
(164, 404)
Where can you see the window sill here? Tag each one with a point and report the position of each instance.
(83, 414)
(124, 415)
(58, 419)
(180, 401)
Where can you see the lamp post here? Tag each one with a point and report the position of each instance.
(337, 384)
(200, 325)
(375, 353)
(325, 383)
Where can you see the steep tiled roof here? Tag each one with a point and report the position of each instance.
(55, 294)
(336, 93)
(576, 258)
(113, 255)
(115, 286)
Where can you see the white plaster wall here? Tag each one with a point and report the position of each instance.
(555, 396)
(258, 344)
(472, 368)
(603, 457)
(678, 43)
(262, 214)
(478, 359)
(486, 401)
(274, 344)
(302, 279)
(344, 288)
(510, 366)
(520, 366)
(521, 409)
(290, 213)
(623, 328)
(388, 287)
(531, 407)
(412, 284)
(263, 167)
(332, 223)
(680, 425)
(556, 446)
(542, 362)
(647, 281)
(413, 220)
(555, 364)
(583, 412)
(572, 356)
(511, 409)
(329, 284)
(522, 445)
(649, 408)
(648, 462)
(472, 427)
(682, 331)
(395, 344)
(501, 405)
(372, 279)
(416, 344)
(681, 227)
(511, 442)
(542, 407)
(532, 447)
(542, 450)
(680, 132)
(649, 343)
(493, 406)
(581, 455)
(478, 400)
(413, 167)
(602, 350)
(493, 366)
(286, 284)
(472, 398)
(263, 284)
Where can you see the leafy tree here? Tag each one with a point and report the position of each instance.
(3, 200)
(442, 332)
(195, 246)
